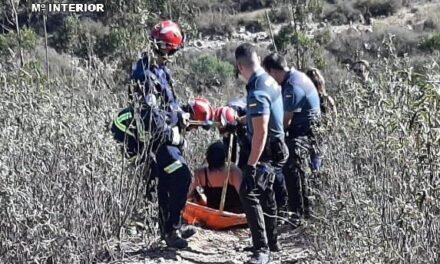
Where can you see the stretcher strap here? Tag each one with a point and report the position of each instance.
(173, 167)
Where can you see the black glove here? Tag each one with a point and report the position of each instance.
(241, 130)
(208, 125)
(231, 127)
(249, 174)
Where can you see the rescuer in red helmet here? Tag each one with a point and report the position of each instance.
(152, 128)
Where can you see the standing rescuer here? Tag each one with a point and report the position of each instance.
(154, 126)
(301, 113)
(264, 118)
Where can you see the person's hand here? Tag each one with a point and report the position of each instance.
(183, 119)
(231, 127)
(208, 124)
(249, 174)
(241, 130)
(183, 143)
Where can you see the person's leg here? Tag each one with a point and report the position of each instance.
(178, 192)
(163, 201)
(315, 151)
(250, 201)
(294, 174)
(269, 207)
(280, 190)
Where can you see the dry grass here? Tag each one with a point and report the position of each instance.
(378, 198)
(64, 190)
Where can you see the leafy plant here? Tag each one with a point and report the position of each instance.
(431, 44)
(212, 69)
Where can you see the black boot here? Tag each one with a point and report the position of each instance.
(174, 240)
(187, 231)
(260, 257)
(274, 247)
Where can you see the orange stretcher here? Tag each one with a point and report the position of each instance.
(196, 214)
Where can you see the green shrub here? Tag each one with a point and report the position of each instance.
(287, 36)
(283, 38)
(250, 5)
(380, 7)
(214, 23)
(342, 12)
(66, 39)
(431, 44)
(27, 40)
(280, 15)
(211, 68)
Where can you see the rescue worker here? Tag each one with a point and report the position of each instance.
(168, 164)
(328, 106)
(362, 69)
(159, 121)
(151, 74)
(242, 151)
(329, 113)
(212, 178)
(301, 112)
(234, 110)
(264, 119)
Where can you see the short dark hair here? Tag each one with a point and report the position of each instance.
(274, 61)
(244, 54)
(216, 155)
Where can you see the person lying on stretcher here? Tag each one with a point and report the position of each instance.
(212, 178)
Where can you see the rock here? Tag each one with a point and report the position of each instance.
(198, 43)
(242, 29)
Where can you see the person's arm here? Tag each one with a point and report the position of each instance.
(236, 178)
(242, 120)
(193, 194)
(198, 173)
(260, 126)
(259, 112)
(292, 102)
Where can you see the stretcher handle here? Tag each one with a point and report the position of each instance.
(225, 184)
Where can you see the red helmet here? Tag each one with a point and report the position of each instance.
(201, 109)
(225, 115)
(168, 37)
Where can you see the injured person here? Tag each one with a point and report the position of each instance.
(208, 181)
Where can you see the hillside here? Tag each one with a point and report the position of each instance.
(67, 195)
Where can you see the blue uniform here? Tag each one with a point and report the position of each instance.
(169, 165)
(300, 97)
(159, 82)
(264, 98)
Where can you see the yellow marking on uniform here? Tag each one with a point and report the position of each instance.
(173, 167)
(252, 105)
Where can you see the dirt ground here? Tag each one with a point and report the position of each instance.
(217, 247)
